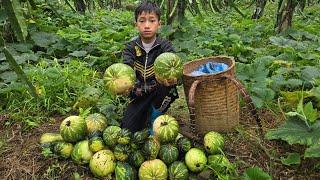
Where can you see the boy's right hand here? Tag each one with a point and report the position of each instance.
(170, 82)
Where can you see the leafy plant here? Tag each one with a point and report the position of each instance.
(312, 151)
(295, 131)
(305, 112)
(292, 158)
(254, 173)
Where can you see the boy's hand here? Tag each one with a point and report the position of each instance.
(169, 82)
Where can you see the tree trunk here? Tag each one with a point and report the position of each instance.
(115, 4)
(181, 10)
(80, 6)
(170, 4)
(284, 14)
(258, 12)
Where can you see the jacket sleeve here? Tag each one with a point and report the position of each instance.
(128, 55)
(167, 46)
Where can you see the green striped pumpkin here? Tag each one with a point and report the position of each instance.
(122, 152)
(195, 160)
(119, 78)
(168, 67)
(166, 128)
(102, 163)
(178, 171)
(124, 136)
(136, 158)
(63, 149)
(184, 145)
(168, 153)
(110, 135)
(153, 169)
(73, 129)
(81, 153)
(96, 122)
(49, 139)
(96, 144)
(213, 142)
(140, 137)
(124, 171)
(151, 148)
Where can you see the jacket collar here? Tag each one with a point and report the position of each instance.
(156, 42)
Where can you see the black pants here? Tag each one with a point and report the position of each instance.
(139, 109)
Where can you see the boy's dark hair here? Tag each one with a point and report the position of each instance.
(147, 7)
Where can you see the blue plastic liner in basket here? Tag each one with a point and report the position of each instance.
(209, 68)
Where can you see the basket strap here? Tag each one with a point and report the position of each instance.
(249, 103)
(192, 111)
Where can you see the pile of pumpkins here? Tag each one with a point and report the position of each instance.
(116, 152)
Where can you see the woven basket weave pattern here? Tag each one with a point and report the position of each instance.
(216, 100)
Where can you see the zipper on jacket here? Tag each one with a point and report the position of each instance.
(145, 72)
(145, 64)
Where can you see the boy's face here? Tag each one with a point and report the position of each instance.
(148, 25)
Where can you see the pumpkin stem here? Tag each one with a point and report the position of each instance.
(198, 165)
(68, 123)
(164, 123)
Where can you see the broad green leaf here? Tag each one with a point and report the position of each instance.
(292, 158)
(312, 151)
(8, 76)
(78, 53)
(315, 92)
(44, 39)
(14, 65)
(22, 47)
(293, 97)
(308, 56)
(309, 73)
(15, 15)
(310, 113)
(293, 83)
(4, 66)
(255, 173)
(295, 131)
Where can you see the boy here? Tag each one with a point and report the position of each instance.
(149, 98)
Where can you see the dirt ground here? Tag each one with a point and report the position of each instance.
(21, 158)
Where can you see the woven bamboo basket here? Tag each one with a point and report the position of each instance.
(212, 99)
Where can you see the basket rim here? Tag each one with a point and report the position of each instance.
(207, 58)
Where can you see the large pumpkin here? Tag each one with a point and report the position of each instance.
(166, 128)
(153, 169)
(102, 163)
(110, 135)
(195, 160)
(96, 122)
(119, 78)
(213, 142)
(168, 153)
(48, 139)
(151, 148)
(73, 129)
(124, 171)
(81, 153)
(63, 149)
(168, 67)
(178, 170)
